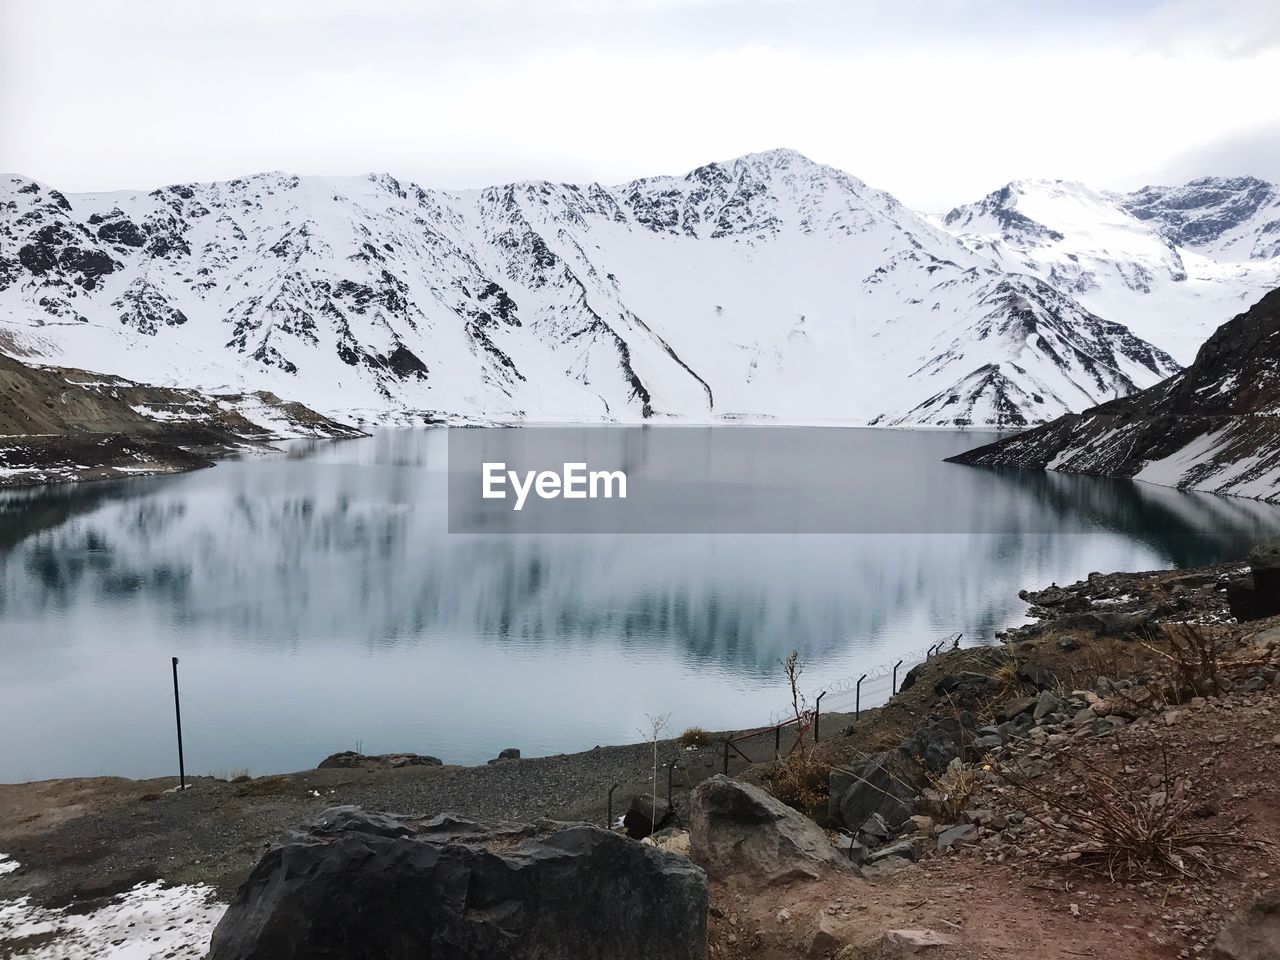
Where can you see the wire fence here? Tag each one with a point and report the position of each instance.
(853, 694)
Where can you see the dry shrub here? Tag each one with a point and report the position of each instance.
(1188, 660)
(695, 737)
(1105, 659)
(952, 790)
(1124, 828)
(801, 781)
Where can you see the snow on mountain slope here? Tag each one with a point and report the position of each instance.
(766, 286)
(1170, 263)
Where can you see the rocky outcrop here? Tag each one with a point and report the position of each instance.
(350, 760)
(367, 886)
(1215, 426)
(889, 782)
(737, 829)
(62, 423)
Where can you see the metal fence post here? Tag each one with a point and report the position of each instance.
(177, 712)
(893, 688)
(857, 702)
(817, 714)
(725, 771)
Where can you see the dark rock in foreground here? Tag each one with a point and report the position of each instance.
(366, 886)
(738, 829)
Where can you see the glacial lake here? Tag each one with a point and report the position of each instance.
(317, 601)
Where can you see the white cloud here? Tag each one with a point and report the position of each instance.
(937, 102)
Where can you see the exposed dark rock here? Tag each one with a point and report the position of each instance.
(957, 834)
(887, 785)
(356, 886)
(1037, 676)
(738, 829)
(510, 753)
(404, 363)
(1012, 708)
(123, 232)
(965, 689)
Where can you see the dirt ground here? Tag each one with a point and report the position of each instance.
(1005, 903)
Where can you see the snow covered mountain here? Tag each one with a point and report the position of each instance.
(1215, 426)
(768, 286)
(1170, 263)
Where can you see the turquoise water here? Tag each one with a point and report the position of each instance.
(316, 601)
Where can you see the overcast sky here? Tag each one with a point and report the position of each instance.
(938, 102)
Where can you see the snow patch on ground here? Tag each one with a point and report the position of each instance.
(150, 922)
(7, 864)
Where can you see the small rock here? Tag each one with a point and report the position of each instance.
(909, 943)
(1046, 704)
(907, 849)
(1014, 708)
(511, 753)
(924, 825)
(875, 828)
(957, 834)
(884, 867)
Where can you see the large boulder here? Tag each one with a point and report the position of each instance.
(1257, 597)
(738, 829)
(886, 785)
(1255, 934)
(889, 782)
(1264, 561)
(361, 886)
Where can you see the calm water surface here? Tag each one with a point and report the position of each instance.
(317, 601)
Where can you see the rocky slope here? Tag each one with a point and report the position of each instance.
(768, 286)
(59, 423)
(1214, 427)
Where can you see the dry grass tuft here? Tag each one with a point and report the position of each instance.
(695, 737)
(952, 791)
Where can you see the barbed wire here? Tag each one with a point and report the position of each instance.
(872, 680)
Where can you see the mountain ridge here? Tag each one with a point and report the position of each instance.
(766, 286)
